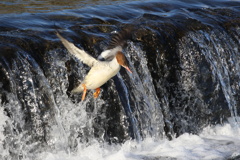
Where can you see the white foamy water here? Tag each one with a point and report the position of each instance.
(218, 142)
(3, 120)
(214, 143)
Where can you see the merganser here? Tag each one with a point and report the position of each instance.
(101, 71)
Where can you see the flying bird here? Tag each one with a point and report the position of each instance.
(102, 69)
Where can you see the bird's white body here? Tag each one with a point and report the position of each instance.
(99, 74)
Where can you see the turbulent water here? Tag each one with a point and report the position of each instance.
(182, 100)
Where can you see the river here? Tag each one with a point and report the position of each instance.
(181, 102)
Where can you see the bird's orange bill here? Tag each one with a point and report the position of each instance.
(127, 68)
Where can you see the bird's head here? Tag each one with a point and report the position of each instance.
(121, 59)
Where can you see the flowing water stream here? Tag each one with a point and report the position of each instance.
(182, 100)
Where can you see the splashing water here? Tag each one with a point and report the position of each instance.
(70, 132)
(185, 83)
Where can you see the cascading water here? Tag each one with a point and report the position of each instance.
(186, 75)
(145, 102)
(224, 63)
(215, 56)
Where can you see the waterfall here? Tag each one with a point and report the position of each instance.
(214, 55)
(186, 78)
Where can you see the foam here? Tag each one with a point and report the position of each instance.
(218, 142)
(3, 120)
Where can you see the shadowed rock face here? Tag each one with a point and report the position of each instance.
(184, 59)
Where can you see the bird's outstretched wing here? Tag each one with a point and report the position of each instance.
(117, 43)
(78, 53)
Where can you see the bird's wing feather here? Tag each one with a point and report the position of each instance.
(117, 42)
(109, 54)
(78, 53)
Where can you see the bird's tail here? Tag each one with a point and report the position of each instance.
(77, 89)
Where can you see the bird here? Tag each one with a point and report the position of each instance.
(102, 69)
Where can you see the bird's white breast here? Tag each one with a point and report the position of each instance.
(100, 73)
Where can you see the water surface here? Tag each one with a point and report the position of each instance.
(184, 88)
